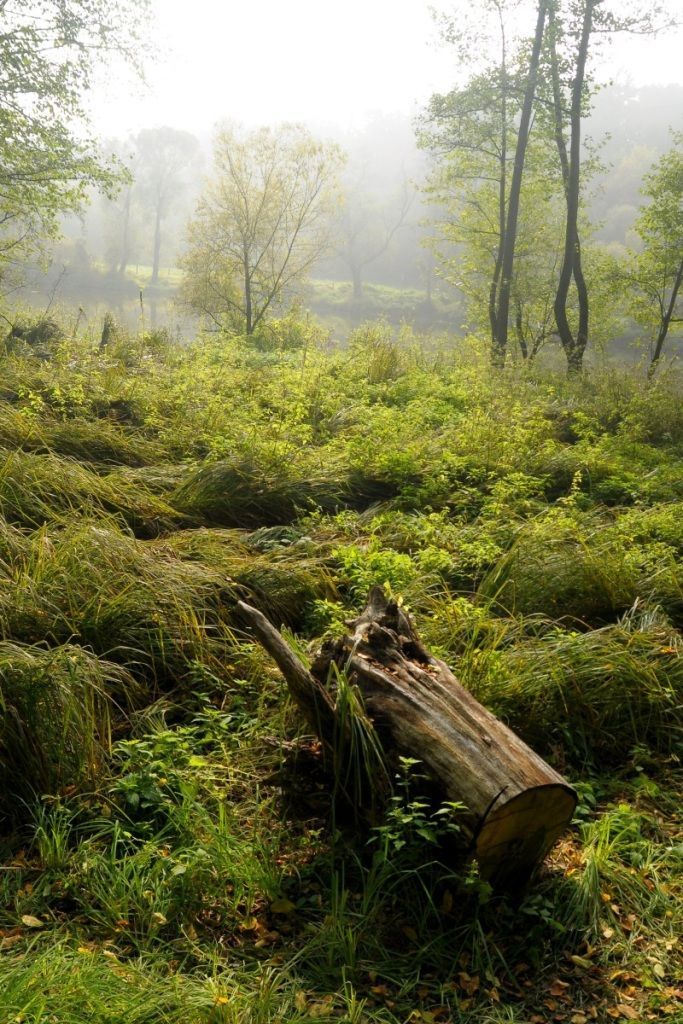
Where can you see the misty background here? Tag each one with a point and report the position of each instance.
(359, 76)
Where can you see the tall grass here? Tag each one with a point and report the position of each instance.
(37, 489)
(55, 719)
(169, 852)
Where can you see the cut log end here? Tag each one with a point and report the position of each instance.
(517, 834)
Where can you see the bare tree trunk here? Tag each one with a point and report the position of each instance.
(502, 194)
(157, 245)
(248, 311)
(125, 239)
(519, 326)
(574, 347)
(357, 279)
(515, 805)
(503, 312)
(666, 321)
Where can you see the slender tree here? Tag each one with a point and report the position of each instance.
(657, 270)
(470, 132)
(367, 227)
(261, 223)
(165, 157)
(574, 345)
(573, 26)
(480, 127)
(503, 311)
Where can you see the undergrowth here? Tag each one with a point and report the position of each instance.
(172, 850)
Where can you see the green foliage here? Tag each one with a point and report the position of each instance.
(192, 868)
(47, 61)
(657, 270)
(411, 823)
(260, 224)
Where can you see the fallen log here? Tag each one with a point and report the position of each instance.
(516, 805)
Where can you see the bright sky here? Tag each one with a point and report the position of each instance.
(263, 61)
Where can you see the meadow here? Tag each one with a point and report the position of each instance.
(171, 849)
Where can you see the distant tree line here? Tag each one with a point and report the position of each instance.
(505, 194)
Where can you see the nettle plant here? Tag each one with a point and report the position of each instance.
(411, 821)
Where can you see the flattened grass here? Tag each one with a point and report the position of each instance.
(138, 605)
(37, 489)
(98, 442)
(599, 694)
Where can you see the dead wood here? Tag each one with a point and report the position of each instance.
(516, 805)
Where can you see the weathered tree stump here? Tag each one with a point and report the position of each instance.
(517, 806)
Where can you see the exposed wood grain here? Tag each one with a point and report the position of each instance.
(516, 804)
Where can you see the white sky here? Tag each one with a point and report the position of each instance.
(263, 61)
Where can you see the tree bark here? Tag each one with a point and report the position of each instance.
(577, 266)
(666, 320)
(500, 343)
(515, 805)
(248, 313)
(574, 347)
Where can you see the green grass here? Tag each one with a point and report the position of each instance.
(170, 843)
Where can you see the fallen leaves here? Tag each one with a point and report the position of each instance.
(32, 922)
(558, 987)
(624, 1010)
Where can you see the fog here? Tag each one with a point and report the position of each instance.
(359, 75)
(314, 62)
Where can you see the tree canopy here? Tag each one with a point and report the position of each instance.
(49, 50)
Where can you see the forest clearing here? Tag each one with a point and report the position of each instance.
(187, 861)
(341, 512)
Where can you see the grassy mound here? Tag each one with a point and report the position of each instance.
(601, 694)
(55, 717)
(139, 606)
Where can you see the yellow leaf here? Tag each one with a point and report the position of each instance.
(409, 933)
(627, 1011)
(323, 1008)
(159, 918)
(32, 922)
(300, 1001)
(282, 906)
